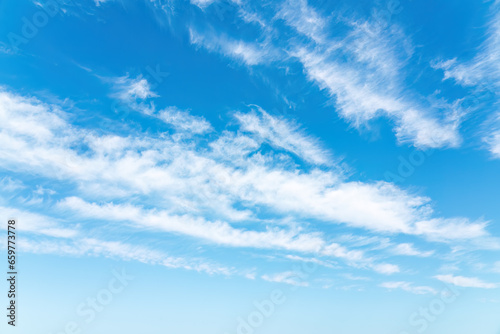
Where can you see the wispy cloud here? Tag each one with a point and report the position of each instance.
(451, 228)
(409, 287)
(303, 18)
(202, 3)
(41, 224)
(9, 185)
(362, 70)
(260, 184)
(485, 65)
(135, 93)
(100, 2)
(370, 87)
(352, 277)
(217, 232)
(5, 49)
(386, 268)
(123, 251)
(287, 277)
(184, 121)
(481, 74)
(250, 53)
(112, 163)
(466, 282)
(319, 262)
(283, 135)
(492, 137)
(409, 249)
(130, 89)
(173, 186)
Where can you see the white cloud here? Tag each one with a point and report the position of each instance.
(42, 191)
(4, 48)
(283, 134)
(134, 91)
(327, 264)
(352, 277)
(303, 18)
(124, 251)
(482, 73)
(131, 89)
(221, 233)
(361, 99)
(180, 172)
(339, 251)
(202, 3)
(409, 249)
(131, 93)
(386, 268)
(99, 2)
(484, 68)
(407, 286)
(383, 51)
(164, 184)
(368, 85)
(287, 277)
(247, 52)
(466, 282)
(183, 121)
(493, 139)
(7, 184)
(450, 229)
(228, 178)
(234, 147)
(217, 232)
(39, 224)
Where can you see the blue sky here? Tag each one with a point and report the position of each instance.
(175, 165)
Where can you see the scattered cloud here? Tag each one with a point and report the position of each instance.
(451, 228)
(409, 249)
(492, 139)
(262, 182)
(7, 184)
(481, 74)
(217, 232)
(5, 49)
(283, 135)
(352, 277)
(40, 224)
(287, 277)
(466, 282)
(485, 65)
(100, 2)
(361, 99)
(161, 183)
(130, 89)
(202, 3)
(303, 18)
(315, 261)
(409, 287)
(39, 139)
(386, 268)
(124, 251)
(362, 70)
(249, 53)
(183, 121)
